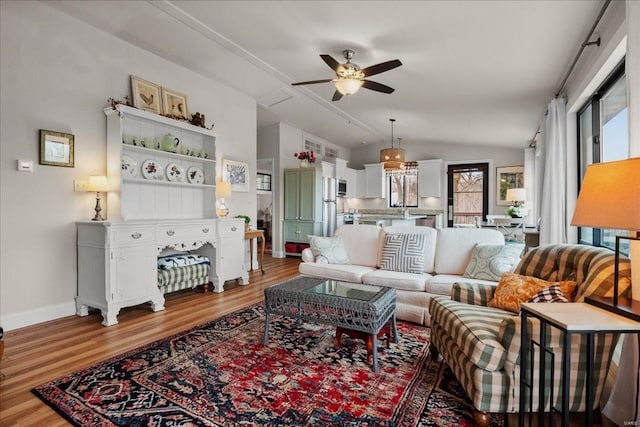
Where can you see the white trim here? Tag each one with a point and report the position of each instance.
(38, 315)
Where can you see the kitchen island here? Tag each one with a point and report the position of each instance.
(386, 220)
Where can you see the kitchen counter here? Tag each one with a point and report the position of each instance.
(390, 216)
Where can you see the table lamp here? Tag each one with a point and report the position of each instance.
(98, 183)
(610, 198)
(223, 189)
(516, 195)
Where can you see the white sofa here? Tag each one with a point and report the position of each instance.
(446, 255)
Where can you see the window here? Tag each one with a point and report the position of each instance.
(603, 136)
(468, 189)
(403, 191)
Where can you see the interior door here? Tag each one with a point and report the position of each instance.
(467, 194)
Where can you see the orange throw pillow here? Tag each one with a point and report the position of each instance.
(515, 289)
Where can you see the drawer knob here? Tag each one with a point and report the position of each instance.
(136, 235)
(205, 230)
(234, 228)
(170, 232)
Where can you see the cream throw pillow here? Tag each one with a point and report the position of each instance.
(328, 250)
(489, 262)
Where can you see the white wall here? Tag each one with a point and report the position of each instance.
(56, 74)
(450, 153)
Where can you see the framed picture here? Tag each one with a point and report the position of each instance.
(263, 181)
(237, 173)
(175, 103)
(56, 148)
(506, 178)
(146, 95)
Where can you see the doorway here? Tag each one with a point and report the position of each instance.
(264, 194)
(467, 194)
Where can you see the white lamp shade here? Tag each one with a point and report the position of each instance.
(348, 86)
(98, 183)
(516, 194)
(610, 196)
(223, 189)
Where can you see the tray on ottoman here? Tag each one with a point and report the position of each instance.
(351, 306)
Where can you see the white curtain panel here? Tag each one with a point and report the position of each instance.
(553, 229)
(530, 185)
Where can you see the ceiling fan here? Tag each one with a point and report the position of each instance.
(350, 77)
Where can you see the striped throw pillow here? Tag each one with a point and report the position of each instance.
(403, 252)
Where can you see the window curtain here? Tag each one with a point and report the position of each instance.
(530, 185)
(553, 228)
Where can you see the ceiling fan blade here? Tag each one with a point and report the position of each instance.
(311, 82)
(381, 68)
(378, 87)
(336, 96)
(331, 62)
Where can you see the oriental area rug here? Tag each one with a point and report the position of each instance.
(220, 374)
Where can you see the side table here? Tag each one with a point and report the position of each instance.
(255, 234)
(571, 318)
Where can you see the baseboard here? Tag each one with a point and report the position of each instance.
(277, 254)
(39, 315)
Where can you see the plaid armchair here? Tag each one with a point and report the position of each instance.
(481, 344)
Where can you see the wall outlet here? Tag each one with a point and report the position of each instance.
(80, 185)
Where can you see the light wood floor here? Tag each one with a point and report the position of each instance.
(39, 353)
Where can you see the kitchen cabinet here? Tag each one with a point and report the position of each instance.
(341, 169)
(361, 183)
(328, 170)
(302, 207)
(350, 175)
(430, 176)
(374, 181)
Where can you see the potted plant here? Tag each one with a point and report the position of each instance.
(305, 158)
(247, 220)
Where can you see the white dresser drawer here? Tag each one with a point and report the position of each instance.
(132, 235)
(180, 232)
(231, 228)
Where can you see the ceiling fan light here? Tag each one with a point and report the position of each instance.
(348, 86)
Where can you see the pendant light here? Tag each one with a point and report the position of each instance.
(392, 158)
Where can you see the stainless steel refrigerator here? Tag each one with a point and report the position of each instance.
(329, 213)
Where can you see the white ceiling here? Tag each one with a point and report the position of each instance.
(474, 72)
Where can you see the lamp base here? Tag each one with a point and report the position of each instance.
(98, 209)
(222, 210)
(626, 307)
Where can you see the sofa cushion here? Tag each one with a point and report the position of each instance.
(454, 247)
(442, 284)
(344, 272)
(431, 236)
(328, 250)
(397, 280)
(474, 328)
(488, 262)
(515, 289)
(403, 252)
(551, 294)
(361, 243)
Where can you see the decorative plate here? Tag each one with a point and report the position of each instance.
(129, 167)
(195, 175)
(174, 173)
(151, 169)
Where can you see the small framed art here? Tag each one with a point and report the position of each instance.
(237, 173)
(506, 178)
(56, 148)
(175, 103)
(146, 95)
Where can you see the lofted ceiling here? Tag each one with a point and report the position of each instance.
(474, 72)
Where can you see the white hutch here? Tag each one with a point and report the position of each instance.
(158, 199)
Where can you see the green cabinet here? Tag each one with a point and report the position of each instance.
(302, 206)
